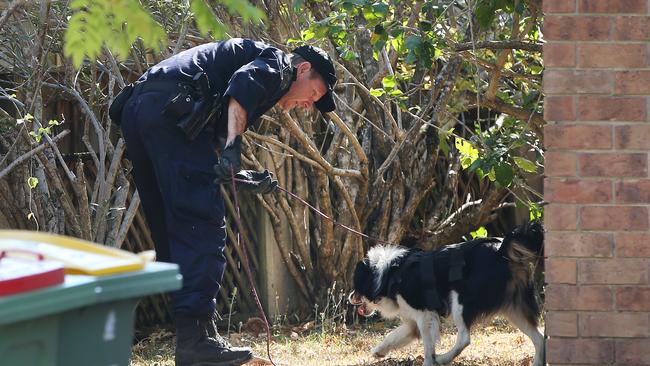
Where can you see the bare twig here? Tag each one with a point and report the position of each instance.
(30, 153)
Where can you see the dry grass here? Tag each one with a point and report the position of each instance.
(493, 344)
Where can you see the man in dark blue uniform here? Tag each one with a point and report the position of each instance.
(172, 120)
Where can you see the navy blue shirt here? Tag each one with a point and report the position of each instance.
(256, 74)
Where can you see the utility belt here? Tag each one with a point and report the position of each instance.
(192, 106)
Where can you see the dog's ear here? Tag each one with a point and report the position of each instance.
(363, 280)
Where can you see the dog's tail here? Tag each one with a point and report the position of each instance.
(525, 243)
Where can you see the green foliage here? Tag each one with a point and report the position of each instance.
(115, 24)
(498, 155)
(535, 211)
(479, 233)
(206, 21)
(468, 153)
(26, 118)
(38, 134)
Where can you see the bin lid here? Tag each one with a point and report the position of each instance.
(78, 256)
(82, 290)
(21, 274)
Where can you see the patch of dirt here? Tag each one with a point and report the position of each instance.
(493, 344)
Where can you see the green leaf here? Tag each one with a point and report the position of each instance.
(389, 82)
(114, 24)
(26, 118)
(443, 137)
(375, 13)
(32, 182)
(349, 55)
(467, 151)
(485, 12)
(377, 92)
(535, 211)
(35, 135)
(525, 164)
(395, 92)
(296, 5)
(248, 11)
(413, 42)
(53, 122)
(479, 233)
(504, 174)
(206, 20)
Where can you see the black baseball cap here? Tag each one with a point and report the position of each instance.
(323, 65)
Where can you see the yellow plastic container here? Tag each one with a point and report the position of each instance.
(78, 256)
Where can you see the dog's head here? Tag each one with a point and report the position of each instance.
(363, 293)
(371, 278)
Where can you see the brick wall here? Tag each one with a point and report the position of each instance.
(597, 85)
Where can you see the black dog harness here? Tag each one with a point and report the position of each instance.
(448, 261)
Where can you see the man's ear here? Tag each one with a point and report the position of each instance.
(304, 67)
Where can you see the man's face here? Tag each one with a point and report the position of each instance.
(305, 90)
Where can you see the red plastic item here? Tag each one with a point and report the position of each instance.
(19, 274)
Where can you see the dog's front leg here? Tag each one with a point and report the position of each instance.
(429, 326)
(398, 337)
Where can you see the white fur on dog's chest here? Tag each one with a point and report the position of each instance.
(390, 308)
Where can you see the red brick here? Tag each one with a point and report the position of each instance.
(571, 190)
(633, 137)
(577, 137)
(578, 82)
(588, 298)
(558, 6)
(559, 55)
(614, 218)
(633, 298)
(559, 270)
(632, 82)
(572, 351)
(614, 325)
(576, 28)
(560, 217)
(561, 324)
(612, 55)
(633, 352)
(559, 108)
(612, 6)
(578, 244)
(613, 271)
(631, 28)
(560, 164)
(633, 191)
(635, 245)
(613, 165)
(593, 108)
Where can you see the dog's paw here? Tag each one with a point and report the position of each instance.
(442, 359)
(378, 353)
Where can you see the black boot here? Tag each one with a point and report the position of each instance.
(195, 348)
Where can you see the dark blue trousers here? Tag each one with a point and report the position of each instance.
(183, 207)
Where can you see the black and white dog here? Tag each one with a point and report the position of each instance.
(467, 281)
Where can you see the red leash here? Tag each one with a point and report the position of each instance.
(376, 240)
(244, 245)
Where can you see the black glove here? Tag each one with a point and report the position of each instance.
(258, 182)
(229, 161)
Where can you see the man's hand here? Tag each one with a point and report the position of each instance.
(257, 182)
(229, 161)
(253, 181)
